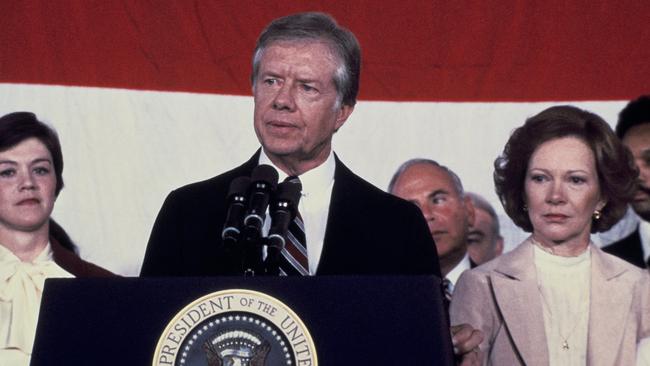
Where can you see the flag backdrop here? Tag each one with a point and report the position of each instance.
(151, 95)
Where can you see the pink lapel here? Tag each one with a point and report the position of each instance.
(518, 299)
(611, 301)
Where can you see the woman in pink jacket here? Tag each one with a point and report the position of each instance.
(557, 299)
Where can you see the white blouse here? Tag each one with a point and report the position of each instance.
(564, 286)
(643, 353)
(21, 288)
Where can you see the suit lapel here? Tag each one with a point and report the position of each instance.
(247, 168)
(340, 207)
(610, 303)
(518, 299)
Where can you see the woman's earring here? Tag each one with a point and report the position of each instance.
(596, 215)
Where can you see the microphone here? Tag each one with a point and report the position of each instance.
(236, 211)
(264, 179)
(283, 210)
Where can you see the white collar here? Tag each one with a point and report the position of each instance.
(545, 259)
(312, 180)
(463, 265)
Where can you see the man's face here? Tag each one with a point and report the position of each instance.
(637, 139)
(296, 109)
(447, 213)
(483, 244)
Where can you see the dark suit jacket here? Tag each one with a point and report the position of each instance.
(368, 231)
(629, 249)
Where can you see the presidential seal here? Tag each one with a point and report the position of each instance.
(236, 328)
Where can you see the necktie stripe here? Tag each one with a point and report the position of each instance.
(295, 253)
(297, 228)
(298, 223)
(294, 259)
(294, 263)
(297, 245)
(297, 233)
(446, 291)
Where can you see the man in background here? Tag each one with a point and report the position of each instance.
(449, 213)
(633, 128)
(484, 241)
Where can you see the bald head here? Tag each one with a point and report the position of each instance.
(438, 193)
(484, 240)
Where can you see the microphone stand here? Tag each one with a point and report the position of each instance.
(283, 210)
(264, 181)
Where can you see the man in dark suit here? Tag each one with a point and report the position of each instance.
(367, 230)
(449, 213)
(633, 128)
(305, 81)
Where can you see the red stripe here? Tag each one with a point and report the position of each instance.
(415, 50)
(296, 254)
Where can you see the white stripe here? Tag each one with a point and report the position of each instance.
(299, 223)
(296, 243)
(295, 263)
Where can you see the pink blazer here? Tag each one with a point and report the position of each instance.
(501, 299)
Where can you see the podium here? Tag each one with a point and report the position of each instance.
(353, 320)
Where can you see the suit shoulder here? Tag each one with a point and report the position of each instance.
(501, 266)
(482, 272)
(216, 185)
(371, 194)
(475, 275)
(623, 265)
(497, 262)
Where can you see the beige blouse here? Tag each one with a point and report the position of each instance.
(21, 288)
(564, 284)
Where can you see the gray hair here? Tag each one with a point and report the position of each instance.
(482, 204)
(458, 185)
(315, 26)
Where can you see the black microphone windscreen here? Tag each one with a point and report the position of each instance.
(265, 173)
(289, 191)
(239, 186)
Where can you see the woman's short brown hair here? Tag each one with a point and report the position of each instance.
(614, 164)
(19, 126)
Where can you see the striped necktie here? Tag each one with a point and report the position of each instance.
(294, 260)
(447, 289)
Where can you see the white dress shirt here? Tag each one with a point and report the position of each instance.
(453, 275)
(314, 205)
